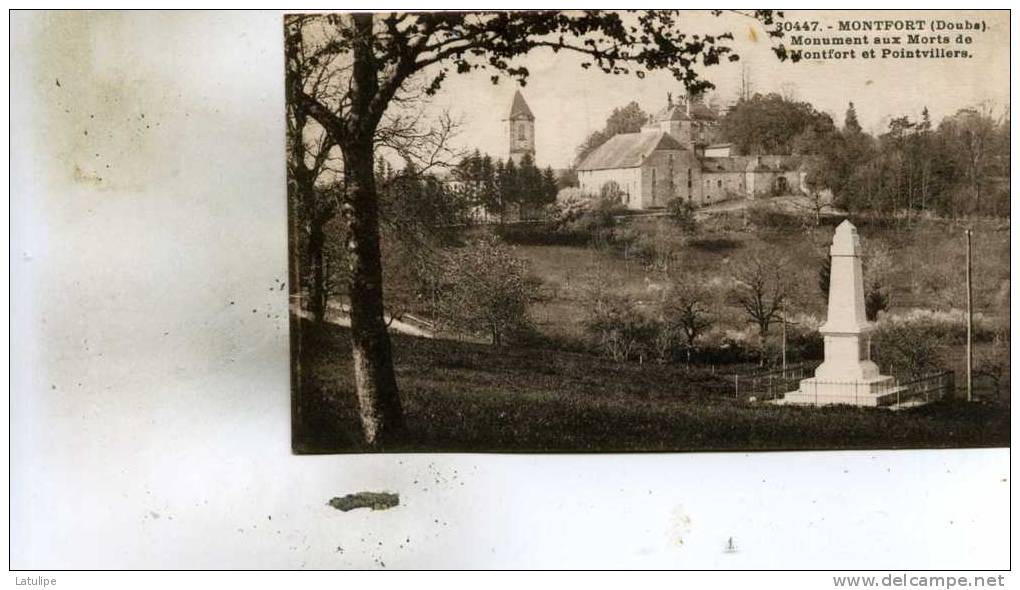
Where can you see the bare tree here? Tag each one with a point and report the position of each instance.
(761, 291)
(687, 308)
(315, 166)
(311, 206)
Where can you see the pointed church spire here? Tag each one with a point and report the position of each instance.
(519, 108)
(521, 129)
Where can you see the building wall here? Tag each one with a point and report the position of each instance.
(628, 179)
(686, 177)
(719, 186)
(663, 177)
(670, 174)
(761, 183)
(719, 152)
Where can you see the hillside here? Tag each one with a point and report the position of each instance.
(925, 267)
(470, 397)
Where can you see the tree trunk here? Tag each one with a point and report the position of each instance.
(378, 397)
(316, 261)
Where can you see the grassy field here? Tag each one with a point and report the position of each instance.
(471, 397)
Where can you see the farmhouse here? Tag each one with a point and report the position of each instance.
(676, 156)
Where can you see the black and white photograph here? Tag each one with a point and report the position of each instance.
(643, 231)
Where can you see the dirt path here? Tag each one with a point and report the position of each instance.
(338, 316)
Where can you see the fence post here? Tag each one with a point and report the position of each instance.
(736, 386)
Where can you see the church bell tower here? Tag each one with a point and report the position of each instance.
(521, 129)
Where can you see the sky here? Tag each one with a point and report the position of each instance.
(570, 102)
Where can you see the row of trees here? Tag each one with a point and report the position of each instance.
(958, 167)
(499, 186)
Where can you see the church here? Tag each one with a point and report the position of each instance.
(521, 130)
(676, 155)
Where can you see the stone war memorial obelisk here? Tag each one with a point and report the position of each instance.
(847, 376)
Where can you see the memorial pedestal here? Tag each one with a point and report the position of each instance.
(847, 376)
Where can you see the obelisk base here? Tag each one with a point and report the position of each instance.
(875, 392)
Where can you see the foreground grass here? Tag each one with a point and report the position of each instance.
(469, 397)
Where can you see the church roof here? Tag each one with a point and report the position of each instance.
(628, 150)
(519, 108)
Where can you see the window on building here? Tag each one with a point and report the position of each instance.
(718, 184)
(522, 132)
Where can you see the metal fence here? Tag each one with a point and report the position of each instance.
(931, 387)
(773, 385)
(769, 385)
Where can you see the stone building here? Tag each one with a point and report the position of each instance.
(677, 155)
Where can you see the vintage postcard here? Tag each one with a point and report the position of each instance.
(648, 231)
(511, 276)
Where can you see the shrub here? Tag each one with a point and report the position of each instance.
(611, 191)
(634, 243)
(539, 234)
(803, 341)
(485, 290)
(595, 222)
(681, 212)
(909, 343)
(992, 363)
(570, 204)
(906, 350)
(948, 326)
(720, 347)
(767, 215)
(620, 331)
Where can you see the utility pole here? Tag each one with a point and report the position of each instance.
(970, 326)
(783, 318)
